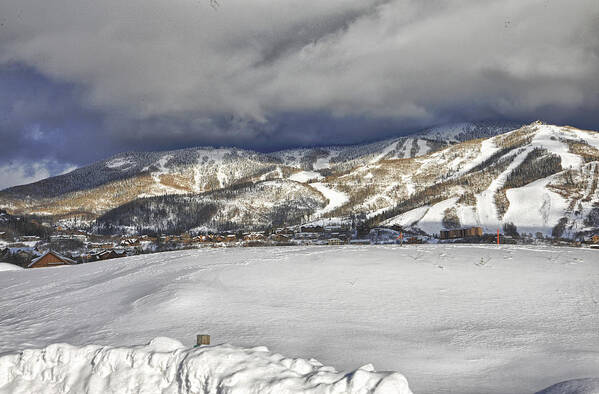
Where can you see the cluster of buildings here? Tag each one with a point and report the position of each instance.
(67, 247)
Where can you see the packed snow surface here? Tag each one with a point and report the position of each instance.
(165, 366)
(465, 319)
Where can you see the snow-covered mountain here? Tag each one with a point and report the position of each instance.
(92, 190)
(540, 178)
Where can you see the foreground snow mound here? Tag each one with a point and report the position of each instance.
(9, 267)
(576, 386)
(166, 366)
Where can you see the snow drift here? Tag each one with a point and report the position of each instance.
(9, 267)
(166, 366)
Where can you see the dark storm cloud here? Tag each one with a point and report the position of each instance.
(82, 80)
(42, 119)
(280, 132)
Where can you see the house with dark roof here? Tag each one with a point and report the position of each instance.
(106, 255)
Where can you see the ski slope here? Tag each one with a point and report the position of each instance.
(451, 318)
(336, 198)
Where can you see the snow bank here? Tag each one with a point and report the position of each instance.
(576, 386)
(9, 267)
(165, 366)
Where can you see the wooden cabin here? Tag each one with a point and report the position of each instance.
(50, 259)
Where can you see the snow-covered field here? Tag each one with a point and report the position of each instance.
(451, 318)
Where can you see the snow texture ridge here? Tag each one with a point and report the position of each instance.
(166, 366)
(575, 386)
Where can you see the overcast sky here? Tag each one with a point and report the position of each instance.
(84, 79)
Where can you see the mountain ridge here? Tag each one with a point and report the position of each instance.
(115, 166)
(418, 183)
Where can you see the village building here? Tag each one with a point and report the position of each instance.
(307, 235)
(311, 229)
(254, 237)
(471, 232)
(50, 259)
(100, 245)
(131, 242)
(284, 231)
(279, 237)
(68, 237)
(106, 255)
(29, 238)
